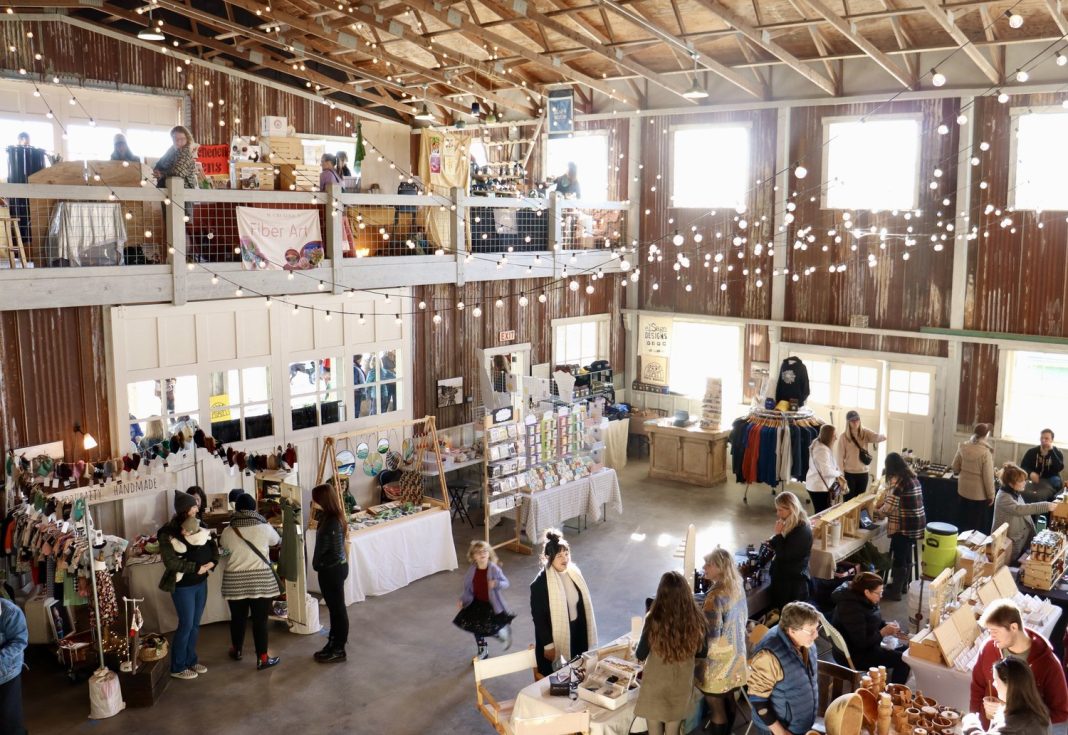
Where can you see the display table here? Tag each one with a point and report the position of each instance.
(687, 454)
(940, 498)
(615, 443)
(534, 701)
(1059, 597)
(158, 609)
(387, 557)
(822, 562)
(549, 508)
(951, 687)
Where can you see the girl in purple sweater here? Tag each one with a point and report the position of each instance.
(482, 609)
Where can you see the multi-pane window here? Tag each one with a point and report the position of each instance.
(589, 153)
(819, 381)
(858, 386)
(160, 407)
(1036, 389)
(240, 404)
(581, 342)
(381, 392)
(692, 362)
(854, 149)
(710, 166)
(910, 392)
(315, 395)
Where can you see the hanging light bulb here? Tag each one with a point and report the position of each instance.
(1002, 97)
(1061, 59)
(523, 300)
(1022, 75)
(477, 311)
(677, 240)
(800, 172)
(938, 78)
(542, 298)
(1015, 19)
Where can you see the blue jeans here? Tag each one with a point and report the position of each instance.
(189, 604)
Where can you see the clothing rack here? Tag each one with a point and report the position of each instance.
(776, 457)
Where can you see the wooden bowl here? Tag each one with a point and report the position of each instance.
(845, 715)
(871, 706)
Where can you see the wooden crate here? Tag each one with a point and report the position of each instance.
(254, 176)
(145, 687)
(284, 150)
(300, 178)
(924, 646)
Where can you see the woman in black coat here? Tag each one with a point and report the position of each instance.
(858, 618)
(564, 622)
(792, 544)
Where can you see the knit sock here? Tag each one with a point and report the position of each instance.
(263, 658)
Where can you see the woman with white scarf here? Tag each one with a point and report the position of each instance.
(564, 622)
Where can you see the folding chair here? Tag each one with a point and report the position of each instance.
(565, 723)
(499, 713)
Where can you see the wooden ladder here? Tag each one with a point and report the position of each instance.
(11, 245)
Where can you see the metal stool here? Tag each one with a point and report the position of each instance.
(457, 496)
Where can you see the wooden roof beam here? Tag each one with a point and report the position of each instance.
(945, 20)
(1056, 9)
(850, 32)
(762, 39)
(716, 67)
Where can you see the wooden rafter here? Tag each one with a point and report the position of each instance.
(860, 42)
(1056, 9)
(762, 39)
(998, 52)
(716, 67)
(945, 20)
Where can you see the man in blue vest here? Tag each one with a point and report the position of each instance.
(782, 673)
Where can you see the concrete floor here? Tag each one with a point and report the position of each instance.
(409, 669)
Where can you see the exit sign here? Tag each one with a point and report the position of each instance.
(506, 336)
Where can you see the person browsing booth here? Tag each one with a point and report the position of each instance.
(1009, 638)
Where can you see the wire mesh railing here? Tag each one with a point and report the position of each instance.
(593, 226)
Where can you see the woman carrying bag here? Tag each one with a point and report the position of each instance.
(249, 582)
(824, 481)
(853, 455)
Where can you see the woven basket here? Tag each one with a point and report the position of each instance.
(153, 647)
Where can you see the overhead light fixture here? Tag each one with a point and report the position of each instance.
(150, 34)
(1015, 19)
(695, 92)
(424, 114)
(938, 78)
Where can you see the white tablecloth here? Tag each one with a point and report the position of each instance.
(951, 687)
(533, 700)
(393, 555)
(158, 608)
(551, 507)
(615, 444)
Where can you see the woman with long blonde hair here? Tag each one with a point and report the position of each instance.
(723, 669)
(673, 640)
(792, 544)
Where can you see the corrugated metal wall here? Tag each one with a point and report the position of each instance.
(448, 349)
(70, 51)
(53, 373)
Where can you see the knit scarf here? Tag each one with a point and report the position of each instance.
(243, 518)
(561, 621)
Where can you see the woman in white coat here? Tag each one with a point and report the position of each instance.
(824, 480)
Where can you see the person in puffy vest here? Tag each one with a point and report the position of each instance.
(782, 673)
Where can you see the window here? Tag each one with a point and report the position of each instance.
(315, 393)
(819, 381)
(314, 150)
(160, 407)
(710, 166)
(589, 153)
(90, 142)
(1040, 145)
(381, 395)
(580, 342)
(478, 152)
(857, 386)
(854, 149)
(148, 144)
(910, 392)
(41, 136)
(1036, 388)
(692, 362)
(240, 404)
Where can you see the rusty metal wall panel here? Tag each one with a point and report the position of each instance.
(978, 384)
(449, 349)
(70, 51)
(897, 293)
(659, 220)
(52, 375)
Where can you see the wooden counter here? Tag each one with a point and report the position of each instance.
(687, 454)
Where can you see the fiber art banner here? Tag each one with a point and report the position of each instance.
(279, 239)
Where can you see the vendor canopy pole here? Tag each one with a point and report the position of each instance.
(424, 428)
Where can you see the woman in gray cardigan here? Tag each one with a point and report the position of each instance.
(1010, 508)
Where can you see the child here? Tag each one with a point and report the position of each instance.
(194, 535)
(482, 610)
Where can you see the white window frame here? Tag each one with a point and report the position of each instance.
(580, 134)
(244, 404)
(400, 380)
(746, 125)
(826, 153)
(1006, 368)
(1014, 121)
(167, 417)
(318, 395)
(727, 406)
(604, 335)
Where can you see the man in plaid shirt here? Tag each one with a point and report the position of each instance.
(906, 521)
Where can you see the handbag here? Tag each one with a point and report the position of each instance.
(865, 455)
(835, 493)
(281, 587)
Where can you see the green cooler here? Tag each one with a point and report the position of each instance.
(939, 548)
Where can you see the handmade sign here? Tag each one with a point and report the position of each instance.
(279, 239)
(214, 159)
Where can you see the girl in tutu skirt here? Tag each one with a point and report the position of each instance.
(482, 610)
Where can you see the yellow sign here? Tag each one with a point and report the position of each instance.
(218, 405)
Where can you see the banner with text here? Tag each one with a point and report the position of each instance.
(279, 239)
(121, 489)
(654, 348)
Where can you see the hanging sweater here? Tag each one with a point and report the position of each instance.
(793, 381)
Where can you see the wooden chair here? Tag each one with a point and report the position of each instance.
(832, 681)
(11, 239)
(837, 641)
(565, 723)
(499, 713)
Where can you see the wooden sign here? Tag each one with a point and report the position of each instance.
(506, 336)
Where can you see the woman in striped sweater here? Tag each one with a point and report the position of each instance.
(249, 582)
(906, 521)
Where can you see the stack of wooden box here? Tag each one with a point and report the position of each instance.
(254, 176)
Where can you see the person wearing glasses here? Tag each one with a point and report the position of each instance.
(782, 673)
(860, 621)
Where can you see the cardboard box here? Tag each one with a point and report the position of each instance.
(271, 125)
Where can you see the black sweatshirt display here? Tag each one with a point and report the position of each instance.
(793, 381)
